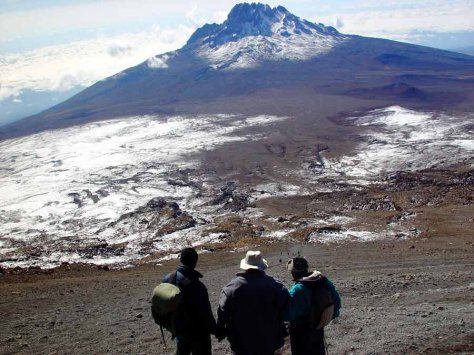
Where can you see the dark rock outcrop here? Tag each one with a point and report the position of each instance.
(231, 199)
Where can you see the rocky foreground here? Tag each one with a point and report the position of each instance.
(406, 296)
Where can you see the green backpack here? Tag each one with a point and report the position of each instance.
(164, 304)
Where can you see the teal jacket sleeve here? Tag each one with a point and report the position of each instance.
(335, 296)
(299, 303)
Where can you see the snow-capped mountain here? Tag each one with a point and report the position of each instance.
(250, 20)
(255, 32)
(268, 53)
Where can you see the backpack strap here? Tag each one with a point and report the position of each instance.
(174, 278)
(163, 335)
(317, 280)
(181, 283)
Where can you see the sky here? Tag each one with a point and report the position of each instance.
(51, 49)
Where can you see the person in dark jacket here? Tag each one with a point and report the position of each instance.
(251, 309)
(304, 339)
(194, 320)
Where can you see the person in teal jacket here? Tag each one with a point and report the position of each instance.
(304, 339)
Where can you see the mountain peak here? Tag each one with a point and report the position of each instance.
(256, 19)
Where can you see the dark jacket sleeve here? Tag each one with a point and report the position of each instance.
(224, 308)
(200, 302)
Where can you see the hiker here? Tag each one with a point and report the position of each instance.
(251, 309)
(306, 337)
(194, 321)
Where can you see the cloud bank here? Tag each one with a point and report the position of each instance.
(404, 21)
(82, 63)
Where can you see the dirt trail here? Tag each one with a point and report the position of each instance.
(398, 297)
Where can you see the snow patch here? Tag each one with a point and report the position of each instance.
(346, 235)
(402, 139)
(250, 52)
(76, 181)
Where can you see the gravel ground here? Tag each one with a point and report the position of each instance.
(412, 296)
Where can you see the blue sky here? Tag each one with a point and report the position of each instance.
(60, 46)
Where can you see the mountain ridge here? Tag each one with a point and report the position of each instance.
(256, 51)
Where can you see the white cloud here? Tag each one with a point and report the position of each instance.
(198, 16)
(357, 16)
(219, 16)
(119, 49)
(8, 91)
(100, 14)
(77, 16)
(158, 62)
(63, 67)
(396, 23)
(192, 15)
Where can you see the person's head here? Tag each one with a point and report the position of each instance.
(253, 261)
(298, 267)
(188, 257)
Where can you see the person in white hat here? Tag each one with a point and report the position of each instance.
(251, 309)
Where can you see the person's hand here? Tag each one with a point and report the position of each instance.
(286, 329)
(220, 334)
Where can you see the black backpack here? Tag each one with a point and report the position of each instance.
(322, 303)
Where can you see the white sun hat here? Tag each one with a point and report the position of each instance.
(253, 260)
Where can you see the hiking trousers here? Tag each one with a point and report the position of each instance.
(306, 341)
(196, 346)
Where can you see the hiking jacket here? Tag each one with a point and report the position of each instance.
(251, 309)
(299, 305)
(194, 316)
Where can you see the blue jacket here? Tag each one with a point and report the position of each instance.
(299, 305)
